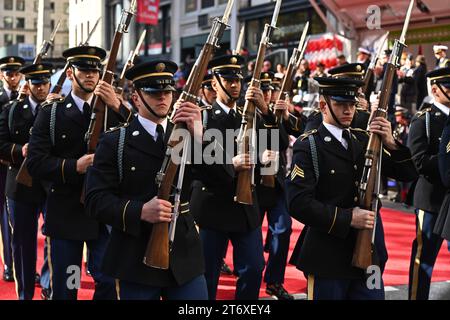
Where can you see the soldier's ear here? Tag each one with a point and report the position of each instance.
(322, 105)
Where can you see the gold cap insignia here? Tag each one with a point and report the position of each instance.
(40, 67)
(11, 60)
(266, 76)
(297, 171)
(234, 60)
(91, 51)
(358, 68)
(160, 67)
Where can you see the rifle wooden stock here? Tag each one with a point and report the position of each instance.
(286, 87)
(362, 253)
(157, 251)
(59, 84)
(268, 180)
(23, 176)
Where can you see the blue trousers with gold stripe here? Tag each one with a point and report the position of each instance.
(64, 254)
(342, 289)
(192, 290)
(248, 260)
(280, 226)
(4, 222)
(425, 249)
(24, 226)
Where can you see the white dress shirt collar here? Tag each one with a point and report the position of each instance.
(337, 133)
(224, 107)
(442, 107)
(150, 126)
(80, 102)
(33, 104)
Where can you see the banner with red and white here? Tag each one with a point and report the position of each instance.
(147, 12)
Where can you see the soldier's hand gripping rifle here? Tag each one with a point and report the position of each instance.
(59, 84)
(157, 253)
(362, 254)
(246, 134)
(23, 176)
(369, 72)
(297, 56)
(98, 110)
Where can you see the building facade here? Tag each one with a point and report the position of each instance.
(23, 27)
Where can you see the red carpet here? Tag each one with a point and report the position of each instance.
(399, 230)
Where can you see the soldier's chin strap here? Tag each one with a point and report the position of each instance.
(443, 91)
(79, 83)
(148, 107)
(328, 100)
(223, 88)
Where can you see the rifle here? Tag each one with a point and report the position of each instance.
(98, 110)
(245, 178)
(23, 176)
(369, 72)
(59, 84)
(296, 57)
(362, 254)
(240, 41)
(130, 63)
(157, 253)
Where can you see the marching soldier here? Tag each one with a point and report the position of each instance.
(440, 52)
(423, 140)
(207, 92)
(9, 67)
(322, 193)
(442, 227)
(24, 204)
(273, 202)
(121, 192)
(57, 156)
(219, 217)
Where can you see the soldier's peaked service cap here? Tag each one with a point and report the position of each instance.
(85, 57)
(227, 66)
(351, 70)
(37, 73)
(11, 63)
(440, 76)
(341, 89)
(153, 76)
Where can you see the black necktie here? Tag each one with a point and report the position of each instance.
(36, 110)
(14, 95)
(346, 136)
(233, 119)
(160, 137)
(87, 111)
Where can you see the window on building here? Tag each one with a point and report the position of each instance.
(8, 39)
(52, 6)
(7, 22)
(66, 7)
(20, 38)
(207, 3)
(35, 21)
(8, 5)
(191, 5)
(36, 5)
(223, 1)
(20, 23)
(20, 5)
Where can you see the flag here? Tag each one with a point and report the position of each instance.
(147, 12)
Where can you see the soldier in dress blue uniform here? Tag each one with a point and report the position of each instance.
(442, 227)
(9, 67)
(423, 140)
(361, 118)
(121, 191)
(57, 156)
(219, 217)
(24, 203)
(322, 193)
(272, 200)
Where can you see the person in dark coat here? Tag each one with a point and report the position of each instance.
(420, 80)
(323, 193)
(423, 140)
(11, 77)
(57, 156)
(122, 190)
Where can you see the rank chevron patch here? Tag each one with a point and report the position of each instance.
(297, 171)
(448, 147)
